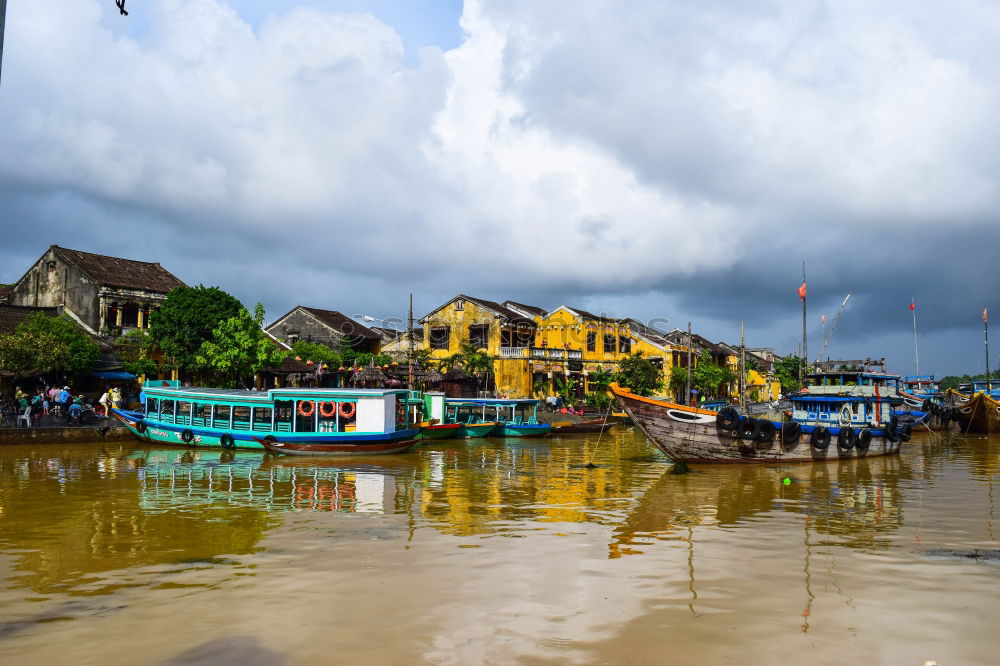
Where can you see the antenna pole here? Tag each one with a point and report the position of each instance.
(916, 352)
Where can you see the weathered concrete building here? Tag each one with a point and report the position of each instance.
(325, 327)
(106, 295)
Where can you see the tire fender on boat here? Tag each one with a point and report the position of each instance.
(820, 438)
(864, 439)
(226, 441)
(187, 436)
(892, 429)
(748, 428)
(791, 431)
(727, 419)
(905, 432)
(766, 431)
(846, 438)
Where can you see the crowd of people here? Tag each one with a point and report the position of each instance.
(54, 405)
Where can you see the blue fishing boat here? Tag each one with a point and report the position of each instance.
(514, 417)
(308, 421)
(851, 409)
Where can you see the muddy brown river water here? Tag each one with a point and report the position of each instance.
(497, 552)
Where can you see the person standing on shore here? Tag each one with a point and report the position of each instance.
(116, 397)
(105, 401)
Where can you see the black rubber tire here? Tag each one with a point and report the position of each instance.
(767, 431)
(727, 419)
(927, 406)
(846, 438)
(820, 438)
(791, 431)
(905, 432)
(187, 436)
(864, 440)
(140, 427)
(226, 441)
(954, 413)
(892, 430)
(748, 428)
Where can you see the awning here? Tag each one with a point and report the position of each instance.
(114, 375)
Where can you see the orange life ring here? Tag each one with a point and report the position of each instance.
(347, 409)
(302, 407)
(323, 409)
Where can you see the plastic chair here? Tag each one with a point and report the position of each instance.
(26, 417)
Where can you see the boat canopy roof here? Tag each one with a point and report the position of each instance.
(239, 396)
(823, 397)
(851, 374)
(492, 402)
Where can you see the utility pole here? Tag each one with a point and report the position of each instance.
(805, 348)
(743, 369)
(688, 397)
(3, 14)
(986, 340)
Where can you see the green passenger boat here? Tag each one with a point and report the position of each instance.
(511, 418)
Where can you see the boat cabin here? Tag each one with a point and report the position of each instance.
(853, 399)
(921, 385)
(485, 410)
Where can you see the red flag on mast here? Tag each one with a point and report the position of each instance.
(802, 291)
(913, 306)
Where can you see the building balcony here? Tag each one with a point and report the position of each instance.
(541, 353)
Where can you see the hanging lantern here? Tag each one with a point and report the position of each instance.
(341, 368)
(298, 358)
(309, 362)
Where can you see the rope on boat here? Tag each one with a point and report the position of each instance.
(590, 463)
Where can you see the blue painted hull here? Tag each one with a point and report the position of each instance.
(182, 435)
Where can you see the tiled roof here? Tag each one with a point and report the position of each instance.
(342, 323)
(392, 333)
(590, 315)
(116, 272)
(12, 315)
(533, 309)
(506, 313)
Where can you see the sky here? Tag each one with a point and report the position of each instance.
(669, 161)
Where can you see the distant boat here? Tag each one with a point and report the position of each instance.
(515, 417)
(979, 413)
(591, 426)
(841, 414)
(437, 430)
(340, 421)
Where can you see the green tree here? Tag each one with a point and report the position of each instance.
(639, 374)
(239, 348)
(42, 343)
(478, 363)
(599, 381)
(708, 376)
(135, 350)
(678, 382)
(187, 319)
(316, 352)
(788, 370)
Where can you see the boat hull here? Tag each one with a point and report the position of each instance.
(473, 430)
(523, 430)
(194, 436)
(979, 414)
(439, 431)
(689, 434)
(596, 425)
(336, 449)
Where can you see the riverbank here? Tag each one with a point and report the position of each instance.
(102, 431)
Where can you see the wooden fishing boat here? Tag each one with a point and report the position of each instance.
(840, 415)
(589, 426)
(346, 421)
(978, 414)
(515, 417)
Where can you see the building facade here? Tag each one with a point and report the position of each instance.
(325, 327)
(107, 295)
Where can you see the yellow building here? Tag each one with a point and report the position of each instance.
(505, 333)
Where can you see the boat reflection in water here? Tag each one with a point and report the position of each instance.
(171, 479)
(853, 503)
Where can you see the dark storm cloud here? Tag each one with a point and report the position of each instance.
(675, 162)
